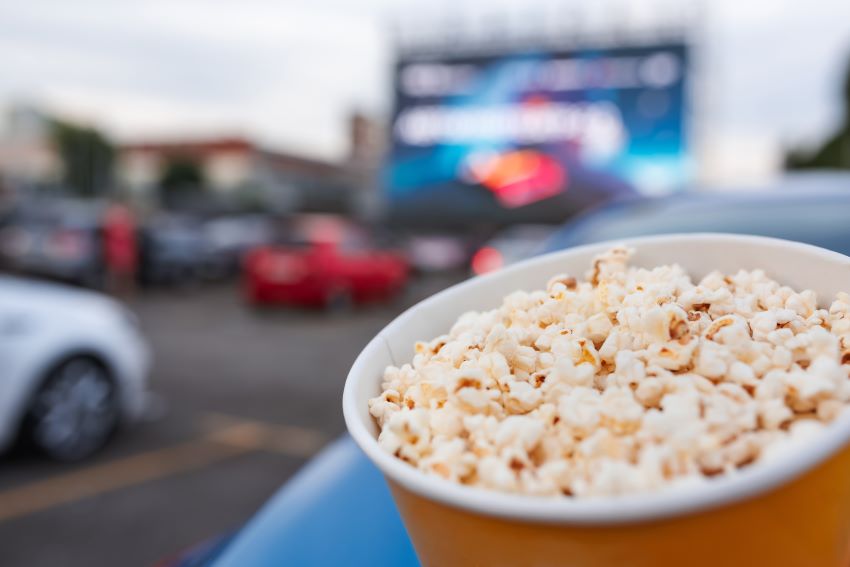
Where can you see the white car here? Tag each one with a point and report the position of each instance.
(73, 366)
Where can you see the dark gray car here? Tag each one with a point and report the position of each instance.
(819, 216)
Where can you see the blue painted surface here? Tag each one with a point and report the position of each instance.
(337, 511)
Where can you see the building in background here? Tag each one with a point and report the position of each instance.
(235, 171)
(221, 173)
(220, 170)
(368, 147)
(28, 154)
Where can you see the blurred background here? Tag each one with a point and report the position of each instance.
(208, 208)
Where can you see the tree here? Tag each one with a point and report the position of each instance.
(181, 174)
(834, 153)
(87, 158)
(182, 181)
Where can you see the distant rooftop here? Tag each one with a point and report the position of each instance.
(205, 148)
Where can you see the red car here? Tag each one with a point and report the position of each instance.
(322, 274)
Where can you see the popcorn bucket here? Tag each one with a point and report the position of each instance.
(793, 510)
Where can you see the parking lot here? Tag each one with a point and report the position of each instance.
(244, 398)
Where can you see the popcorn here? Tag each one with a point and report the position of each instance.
(581, 410)
(634, 380)
(522, 397)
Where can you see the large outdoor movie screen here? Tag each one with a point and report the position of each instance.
(536, 135)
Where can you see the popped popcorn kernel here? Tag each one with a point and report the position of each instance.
(634, 380)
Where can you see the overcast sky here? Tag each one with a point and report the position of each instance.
(288, 73)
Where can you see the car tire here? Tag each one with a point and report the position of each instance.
(75, 410)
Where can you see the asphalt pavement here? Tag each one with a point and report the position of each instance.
(246, 396)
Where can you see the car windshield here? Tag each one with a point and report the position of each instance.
(814, 218)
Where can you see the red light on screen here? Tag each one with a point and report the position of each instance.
(520, 177)
(487, 259)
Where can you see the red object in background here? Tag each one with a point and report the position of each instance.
(119, 240)
(487, 259)
(320, 274)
